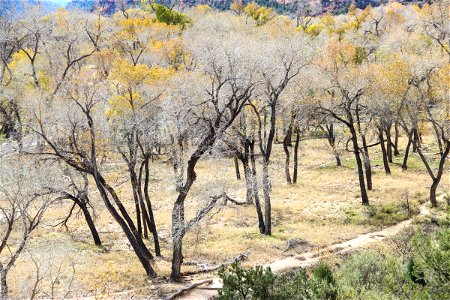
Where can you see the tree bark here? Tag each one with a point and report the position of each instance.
(248, 182)
(152, 224)
(267, 200)
(297, 142)
(396, 152)
(90, 222)
(437, 178)
(261, 224)
(286, 143)
(416, 140)
(331, 137)
(4, 285)
(365, 150)
(408, 146)
(177, 236)
(236, 168)
(387, 170)
(244, 157)
(362, 185)
(134, 186)
(367, 165)
(389, 142)
(137, 246)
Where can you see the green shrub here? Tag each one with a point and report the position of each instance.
(170, 17)
(261, 284)
(238, 283)
(431, 262)
(361, 273)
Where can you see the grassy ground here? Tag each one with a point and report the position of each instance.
(322, 209)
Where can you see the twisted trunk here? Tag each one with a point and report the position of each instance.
(287, 143)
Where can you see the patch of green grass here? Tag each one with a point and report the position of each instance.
(380, 215)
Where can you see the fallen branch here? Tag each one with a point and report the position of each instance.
(226, 198)
(186, 289)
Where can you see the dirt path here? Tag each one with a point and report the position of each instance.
(311, 258)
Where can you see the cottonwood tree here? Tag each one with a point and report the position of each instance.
(80, 141)
(225, 76)
(282, 61)
(240, 141)
(22, 207)
(297, 107)
(428, 102)
(342, 95)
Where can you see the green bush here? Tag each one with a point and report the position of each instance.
(261, 284)
(170, 17)
(431, 262)
(239, 283)
(361, 273)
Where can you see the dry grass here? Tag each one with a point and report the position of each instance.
(322, 209)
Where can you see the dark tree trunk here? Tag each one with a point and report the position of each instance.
(151, 218)
(365, 150)
(178, 218)
(4, 285)
(265, 173)
(338, 159)
(267, 200)
(331, 137)
(248, 181)
(433, 188)
(286, 143)
(134, 186)
(362, 185)
(261, 224)
(127, 218)
(396, 152)
(297, 142)
(416, 140)
(236, 168)
(383, 152)
(244, 158)
(437, 178)
(408, 146)
(90, 222)
(178, 234)
(367, 166)
(389, 142)
(130, 231)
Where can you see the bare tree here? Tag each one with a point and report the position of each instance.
(226, 73)
(22, 207)
(76, 142)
